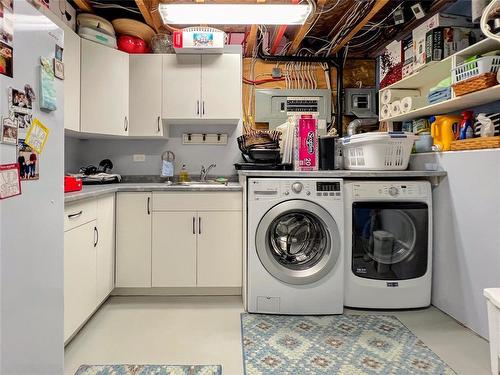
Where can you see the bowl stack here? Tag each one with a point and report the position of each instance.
(134, 36)
(97, 29)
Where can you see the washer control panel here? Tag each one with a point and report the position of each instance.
(410, 189)
(268, 189)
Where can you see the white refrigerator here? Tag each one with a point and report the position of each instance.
(31, 224)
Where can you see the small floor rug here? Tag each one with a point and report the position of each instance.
(149, 370)
(334, 344)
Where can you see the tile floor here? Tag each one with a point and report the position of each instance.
(206, 330)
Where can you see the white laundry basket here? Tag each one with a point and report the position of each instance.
(493, 302)
(378, 151)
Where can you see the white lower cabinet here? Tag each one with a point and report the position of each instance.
(80, 284)
(197, 240)
(105, 246)
(133, 240)
(174, 249)
(219, 249)
(89, 258)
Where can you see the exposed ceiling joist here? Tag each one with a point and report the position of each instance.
(302, 32)
(251, 40)
(275, 43)
(379, 4)
(145, 8)
(84, 6)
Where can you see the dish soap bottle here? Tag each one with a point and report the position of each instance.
(466, 126)
(183, 174)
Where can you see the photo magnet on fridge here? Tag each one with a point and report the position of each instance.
(10, 184)
(9, 131)
(37, 136)
(58, 69)
(28, 160)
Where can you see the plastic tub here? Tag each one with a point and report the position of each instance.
(378, 151)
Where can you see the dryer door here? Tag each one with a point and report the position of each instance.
(298, 242)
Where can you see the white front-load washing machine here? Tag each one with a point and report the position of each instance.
(388, 244)
(294, 246)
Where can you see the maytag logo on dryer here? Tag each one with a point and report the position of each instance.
(393, 284)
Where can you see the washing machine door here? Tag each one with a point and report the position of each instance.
(298, 242)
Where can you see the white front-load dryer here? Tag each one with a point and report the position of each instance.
(388, 246)
(294, 246)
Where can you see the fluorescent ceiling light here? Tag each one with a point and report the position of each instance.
(234, 14)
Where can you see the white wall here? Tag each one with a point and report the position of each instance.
(466, 233)
(120, 151)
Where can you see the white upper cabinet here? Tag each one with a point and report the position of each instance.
(181, 87)
(104, 89)
(204, 88)
(221, 87)
(145, 99)
(71, 60)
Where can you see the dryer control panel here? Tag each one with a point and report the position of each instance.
(410, 189)
(268, 189)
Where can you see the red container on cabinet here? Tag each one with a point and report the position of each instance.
(72, 184)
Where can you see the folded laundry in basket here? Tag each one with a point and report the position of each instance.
(439, 95)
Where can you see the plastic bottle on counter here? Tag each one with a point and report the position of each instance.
(467, 125)
(183, 174)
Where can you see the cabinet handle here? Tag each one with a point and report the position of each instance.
(203, 107)
(71, 216)
(199, 224)
(198, 107)
(194, 224)
(96, 236)
(149, 205)
(158, 124)
(126, 123)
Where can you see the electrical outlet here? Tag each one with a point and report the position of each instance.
(139, 157)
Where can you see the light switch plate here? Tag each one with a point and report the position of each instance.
(139, 157)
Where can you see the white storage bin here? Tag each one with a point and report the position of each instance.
(378, 151)
(493, 302)
(485, 64)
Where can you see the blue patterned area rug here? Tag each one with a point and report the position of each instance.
(335, 344)
(149, 370)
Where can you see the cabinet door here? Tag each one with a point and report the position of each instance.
(221, 86)
(79, 276)
(174, 249)
(71, 60)
(181, 87)
(104, 89)
(145, 95)
(219, 249)
(105, 247)
(133, 239)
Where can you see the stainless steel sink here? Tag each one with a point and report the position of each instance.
(207, 183)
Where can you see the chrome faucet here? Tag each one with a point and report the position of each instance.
(204, 172)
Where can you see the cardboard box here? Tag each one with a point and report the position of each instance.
(407, 45)
(442, 42)
(419, 34)
(390, 64)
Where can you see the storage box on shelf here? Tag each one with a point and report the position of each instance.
(433, 73)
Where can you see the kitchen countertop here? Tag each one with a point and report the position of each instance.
(346, 174)
(94, 191)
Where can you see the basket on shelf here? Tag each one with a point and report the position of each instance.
(481, 65)
(475, 75)
(480, 82)
(476, 143)
(378, 151)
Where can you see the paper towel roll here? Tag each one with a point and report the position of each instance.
(409, 103)
(395, 108)
(391, 95)
(385, 111)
